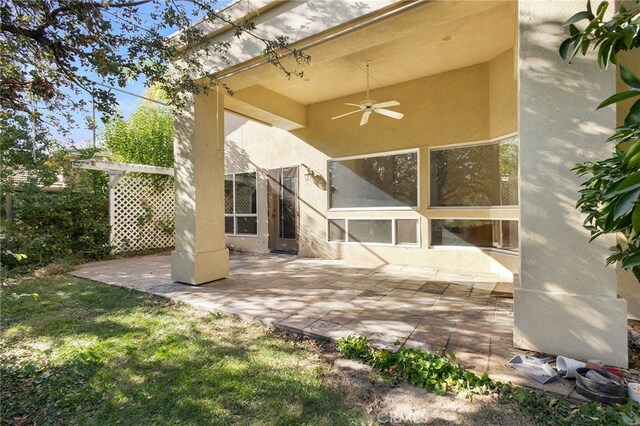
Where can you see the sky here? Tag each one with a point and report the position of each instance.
(82, 136)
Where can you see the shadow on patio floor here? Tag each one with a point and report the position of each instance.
(469, 313)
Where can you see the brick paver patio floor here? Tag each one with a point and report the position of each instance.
(417, 306)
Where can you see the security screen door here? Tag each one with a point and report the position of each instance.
(283, 209)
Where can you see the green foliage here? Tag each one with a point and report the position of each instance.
(146, 215)
(49, 227)
(620, 33)
(356, 347)
(609, 197)
(55, 51)
(439, 373)
(146, 138)
(442, 374)
(165, 226)
(549, 410)
(18, 256)
(22, 153)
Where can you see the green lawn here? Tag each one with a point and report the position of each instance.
(78, 352)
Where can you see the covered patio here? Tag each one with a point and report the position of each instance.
(475, 80)
(469, 313)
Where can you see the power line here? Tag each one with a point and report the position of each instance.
(130, 93)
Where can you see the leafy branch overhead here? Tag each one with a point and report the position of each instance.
(53, 51)
(610, 196)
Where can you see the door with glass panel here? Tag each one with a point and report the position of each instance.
(283, 209)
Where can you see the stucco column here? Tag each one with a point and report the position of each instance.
(566, 302)
(200, 255)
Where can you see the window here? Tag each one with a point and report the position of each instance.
(406, 232)
(337, 230)
(387, 181)
(374, 231)
(371, 231)
(481, 175)
(240, 208)
(491, 234)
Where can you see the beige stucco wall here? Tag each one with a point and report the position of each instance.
(566, 302)
(476, 103)
(503, 94)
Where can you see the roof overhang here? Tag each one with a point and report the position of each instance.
(403, 40)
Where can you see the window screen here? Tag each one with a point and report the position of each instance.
(378, 231)
(381, 181)
(337, 230)
(475, 176)
(240, 204)
(370, 231)
(407, 231)
(501, 234)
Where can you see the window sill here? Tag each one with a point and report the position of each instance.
(514, 207)
(369, 209)
(351, 243)
(475, 249)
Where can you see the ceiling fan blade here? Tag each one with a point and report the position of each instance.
(389, 113)
(386, 104)
(344, 115)
(365, 117)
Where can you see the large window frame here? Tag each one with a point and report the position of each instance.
(372, 155)
(235, 215)
(462, 145)
(394, 236)
(483, 213)
(470, 247)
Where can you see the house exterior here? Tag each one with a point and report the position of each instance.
(475, 176)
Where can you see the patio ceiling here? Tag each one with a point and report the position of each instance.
(426, 39)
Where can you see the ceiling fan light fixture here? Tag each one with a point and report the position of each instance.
(368, 106)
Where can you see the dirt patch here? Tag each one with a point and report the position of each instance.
(50, 270)
(409, 404)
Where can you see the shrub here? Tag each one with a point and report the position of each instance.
(437, 372)
(51, 227)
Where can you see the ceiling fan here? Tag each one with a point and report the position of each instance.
(368, 106)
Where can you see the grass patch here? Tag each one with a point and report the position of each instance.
(77, 352)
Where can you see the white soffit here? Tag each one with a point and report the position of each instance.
(476, 38)
(298, 20)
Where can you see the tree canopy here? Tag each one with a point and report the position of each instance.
(54, 51)
(146, 137)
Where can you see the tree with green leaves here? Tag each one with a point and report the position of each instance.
(39, 227)
(53, 51)
(25, 150)
(610, 196)
(146, 137)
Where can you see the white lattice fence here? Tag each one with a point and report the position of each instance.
(142, 213)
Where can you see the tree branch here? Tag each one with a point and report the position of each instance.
(50, 20)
